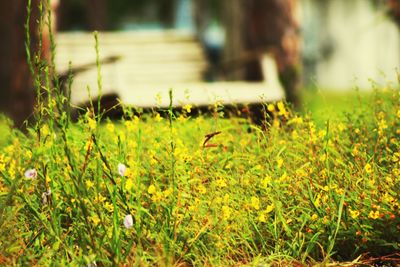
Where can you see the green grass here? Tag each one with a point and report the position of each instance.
(297, 192)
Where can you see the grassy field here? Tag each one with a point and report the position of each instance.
(169, 189)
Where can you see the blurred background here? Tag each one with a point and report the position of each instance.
(335, 45)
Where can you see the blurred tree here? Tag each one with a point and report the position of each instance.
(96, 12)
(108, 14)
(16, 93)
(254, 27)
(393, 7)
(82, 15)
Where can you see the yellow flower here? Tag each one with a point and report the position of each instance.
(282, 109)
(354, 213)
(220, 183)
(158, 117)
(295, 135)
(255, 203)
(109, 206)
(262, 218)
(201, 188)
(89, 184)
(99, 199)
(271, 108)
(226, 212)
(157, 196)
(110, 127)
(95, 219)
(269, 208)
(266, 181)
(279, 162)
(128, 184)
(226, 198)
(168, 192)
(187, 108)
(151, 190)
(92, 123)
(368, 168)
(314, 217)
(44, 130)
(374, 214)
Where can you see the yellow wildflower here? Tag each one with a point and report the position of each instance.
(110, 127)
(226, 198)
(314, 217)
(157, 196)
(269, 208)
(271, 108)
(201, 188)
(266, 181)
(220, 183)
(279, 162)
(226, 212)
(262, 218)
(151, 190)
(255, 203)
(99, 199)
(374, 214)
(128, 184)
(92, 123)
(341, 127)
(168, 192)
(109, 206)
(354, 214)
(44, 130)
(89, 184)
(187, 108)
(282, 109)
(95, 219)
(368, 168)
(158, 117)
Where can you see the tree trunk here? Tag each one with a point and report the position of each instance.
(234, 18)
(96, 12)
(17, 92)
(259, 26)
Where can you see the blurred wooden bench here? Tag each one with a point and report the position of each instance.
(150, 64)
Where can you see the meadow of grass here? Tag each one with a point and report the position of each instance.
(295, 193)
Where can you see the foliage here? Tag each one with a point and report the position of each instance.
(294, 191)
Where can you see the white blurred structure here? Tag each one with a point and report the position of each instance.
(150, 63)
(348, 43)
